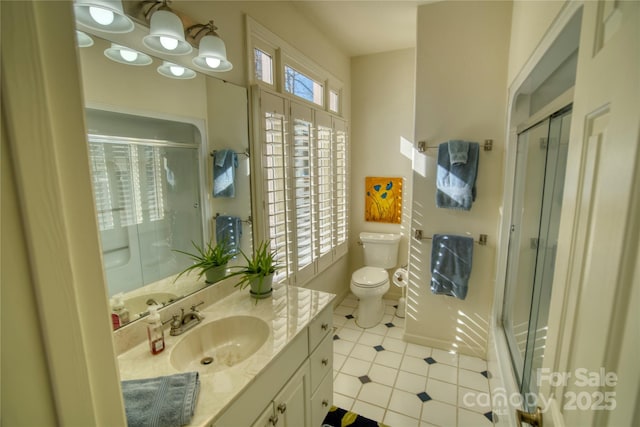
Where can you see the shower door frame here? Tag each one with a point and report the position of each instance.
(498, 357)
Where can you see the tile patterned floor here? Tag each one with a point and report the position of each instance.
(382, 377)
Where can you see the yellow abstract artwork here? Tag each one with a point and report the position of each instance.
(383, 200)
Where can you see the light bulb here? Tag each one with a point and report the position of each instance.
(176, 70)
(212, 62)
(168, 43)
(128, 55)
(101, 16)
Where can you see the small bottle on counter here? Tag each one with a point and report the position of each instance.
(119, 313)
(154, 330)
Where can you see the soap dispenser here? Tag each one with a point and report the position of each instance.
(154, 330)
(120, 315)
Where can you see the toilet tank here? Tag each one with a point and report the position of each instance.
(380, 249)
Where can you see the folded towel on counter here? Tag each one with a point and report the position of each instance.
(458, 151)
(225, 163)
(456, 183)
(161, 402)
(229, 231)
(451, 259)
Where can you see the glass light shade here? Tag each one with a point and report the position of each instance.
(212, 50)
(125, 55)
(166, 32)
(174, 71)
(83, 39)
(103, 15)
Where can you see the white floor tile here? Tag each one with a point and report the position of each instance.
(349, 302)
(342, 401)
(473, 380)
(379, 329)
(376, 394)
(397, 332)
(346, 385)
(444, 373)
(398, 321)
(351, 324)
(417, 350)
(405, 403)
(411, 382)
(368, 338)
(398, 420)
(472, 363)
(390, 309)
(368, 410)
(383, 374)
(338, 360)
(387, 318)
(343, 310)
(414, 365)
(446, 357)
(349, 334)
(472, 419)
(442, 392)
(438, 413)
(474, 400)
(342, 347)
(394, 344)
(355, 367)
(363, 352)
(339, 320)
(388, 358)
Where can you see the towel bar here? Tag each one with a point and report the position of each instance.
(417, 234)
(246, 153)
(422, 146)
(249, 219)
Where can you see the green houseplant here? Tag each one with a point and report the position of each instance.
(258, 271)
(211, 260)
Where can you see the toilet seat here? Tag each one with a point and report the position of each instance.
(369, 277)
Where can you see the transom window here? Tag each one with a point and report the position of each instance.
(303, 86)
(263, 63)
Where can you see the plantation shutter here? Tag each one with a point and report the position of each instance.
(340, 203)
(323, 165)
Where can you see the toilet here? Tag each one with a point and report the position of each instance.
(371, 282)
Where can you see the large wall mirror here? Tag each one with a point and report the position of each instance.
(170, 168)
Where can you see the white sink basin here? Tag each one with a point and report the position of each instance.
(139, 304)
(220, 344)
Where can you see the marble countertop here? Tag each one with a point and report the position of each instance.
(287, 312)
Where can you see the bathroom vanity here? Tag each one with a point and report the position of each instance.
(272, 361)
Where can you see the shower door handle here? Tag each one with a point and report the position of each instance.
(532, 418)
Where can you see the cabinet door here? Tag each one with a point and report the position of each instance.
(292, 404)
(268, 418)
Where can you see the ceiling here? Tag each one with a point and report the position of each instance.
(366, 26)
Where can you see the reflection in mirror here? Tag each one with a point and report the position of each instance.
(151, 140)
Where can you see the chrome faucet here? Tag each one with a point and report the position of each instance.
(182, 322)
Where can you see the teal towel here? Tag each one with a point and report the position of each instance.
(451, 260)
(161, 402)
(458, 151)
(456, 183)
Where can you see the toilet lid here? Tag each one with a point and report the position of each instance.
(370, 277)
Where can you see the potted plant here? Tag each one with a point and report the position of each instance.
(211, 260)
(258, 271)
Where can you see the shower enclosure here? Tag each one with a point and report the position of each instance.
(537, 201)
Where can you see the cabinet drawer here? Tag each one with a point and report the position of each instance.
(322, 400)
(320, 326)
(321, 361)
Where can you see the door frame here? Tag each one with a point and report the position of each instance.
(504, 384)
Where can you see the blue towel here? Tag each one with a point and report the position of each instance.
(451, 259)
(161, 402)
(225, 163)
(229, 230)
(458, 151)
(456, 183)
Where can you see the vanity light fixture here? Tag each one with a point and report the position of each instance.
(174, 71)
(125, 55)
(212, 52)
(166, 33)
(83, 39)
(103, 15)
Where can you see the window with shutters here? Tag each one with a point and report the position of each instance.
(303, 162)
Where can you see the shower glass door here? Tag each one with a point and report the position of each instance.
(537, 202)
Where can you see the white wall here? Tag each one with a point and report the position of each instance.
(461, 76)
(382, 96)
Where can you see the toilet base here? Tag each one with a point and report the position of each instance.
(370, 313)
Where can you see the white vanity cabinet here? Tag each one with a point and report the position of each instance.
(296, 389)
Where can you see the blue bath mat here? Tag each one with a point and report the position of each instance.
(338, 417)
